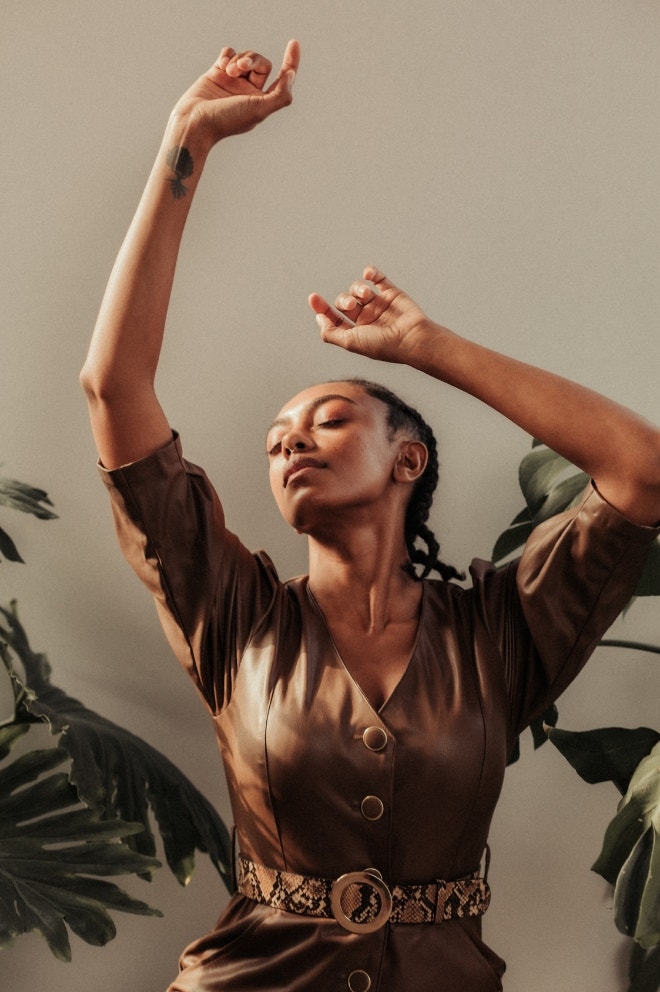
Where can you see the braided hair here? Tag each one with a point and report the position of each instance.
(401, 416)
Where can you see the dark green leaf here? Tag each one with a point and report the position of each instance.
(51, 849)
(562, 496)
(114, 769)
(630, 857)
(27, 499)
(9, 735)
(649, 583)
(549, 487)
(8, 548)
(610, 754)
(636, 895)
(511, 540)
(537, 475)
(644, 970)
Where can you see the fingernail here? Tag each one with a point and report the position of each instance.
(320, 320)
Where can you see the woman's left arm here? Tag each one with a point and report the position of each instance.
(617, 448)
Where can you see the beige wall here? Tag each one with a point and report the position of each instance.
(499, 159)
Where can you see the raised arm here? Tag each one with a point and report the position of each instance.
(119, 372)
(617, 448)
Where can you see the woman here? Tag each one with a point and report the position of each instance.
(365, 711)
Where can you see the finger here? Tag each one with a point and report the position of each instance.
(348, 303)
(251, 65)
(291, 59)
(223, 58)
(326, 316)
(362, 291)
(287, 74)
(378, 278)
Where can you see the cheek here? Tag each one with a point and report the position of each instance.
(274, 481)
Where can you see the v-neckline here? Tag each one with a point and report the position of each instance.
(378, 710)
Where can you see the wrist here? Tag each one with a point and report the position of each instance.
(186, 129)
(182, 155)
(429, 345)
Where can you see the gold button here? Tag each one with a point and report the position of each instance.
(372, 808)
(375, 738)
(359, 981)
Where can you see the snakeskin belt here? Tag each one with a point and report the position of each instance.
(360, 901)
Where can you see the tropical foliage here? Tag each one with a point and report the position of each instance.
(629, 758)
(77, 812)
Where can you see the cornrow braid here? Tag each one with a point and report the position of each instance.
(401, 416)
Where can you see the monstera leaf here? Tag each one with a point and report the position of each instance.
(610, 754)
(550, 484)
(52, 852)
(630, 857)
(116, 771)
(28, 499)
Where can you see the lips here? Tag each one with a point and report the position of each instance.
(297, 465)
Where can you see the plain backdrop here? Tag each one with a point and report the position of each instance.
(499, 160)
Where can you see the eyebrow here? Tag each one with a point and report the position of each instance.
(313, 405)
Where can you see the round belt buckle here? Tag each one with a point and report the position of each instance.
(369, 877)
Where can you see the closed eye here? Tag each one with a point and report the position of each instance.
(275, 448)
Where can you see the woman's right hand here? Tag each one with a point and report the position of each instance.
(230, 98)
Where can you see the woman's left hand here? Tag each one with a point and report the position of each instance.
(374, 318)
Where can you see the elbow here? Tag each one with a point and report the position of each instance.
(645, 478)
(108, 386)
(88, 382)
(96, 387)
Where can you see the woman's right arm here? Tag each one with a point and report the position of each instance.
(128, 422)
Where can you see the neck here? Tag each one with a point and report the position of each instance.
(361, 577)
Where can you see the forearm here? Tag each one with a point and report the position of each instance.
(127, 338)
(616, 447)
(119, 373)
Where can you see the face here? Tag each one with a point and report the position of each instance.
(330, 453)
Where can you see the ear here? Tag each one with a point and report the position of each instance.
(411, 461)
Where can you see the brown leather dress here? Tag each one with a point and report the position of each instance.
(291, 724)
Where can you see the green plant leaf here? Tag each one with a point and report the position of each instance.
(630, 856)
(51, 849)
(8, 548)
(9, 734)
(644, 969)
(550, 484)
(537, 476)
(649, 583)
(114, 769)
(610, 754)
(636, 897)
(511, 540)
(27, 499)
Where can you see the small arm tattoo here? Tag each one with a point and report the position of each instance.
(181, 163)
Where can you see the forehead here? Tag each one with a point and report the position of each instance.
(314, 396)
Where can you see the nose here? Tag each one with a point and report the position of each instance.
(294, 440)
(294, 444)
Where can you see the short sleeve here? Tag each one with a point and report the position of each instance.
(548, 611)
(210, 591)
